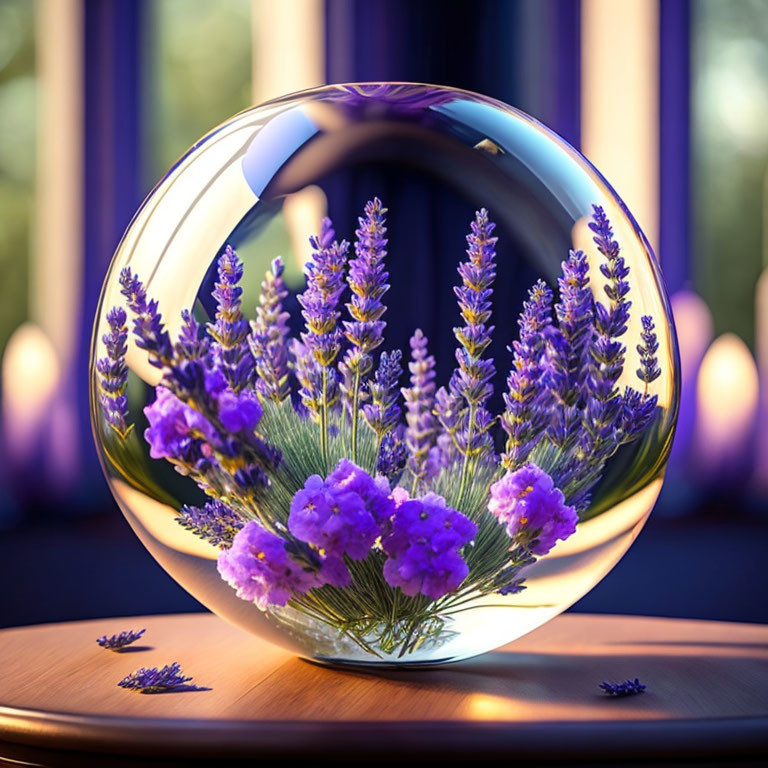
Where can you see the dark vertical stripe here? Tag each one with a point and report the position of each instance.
(112, 38)
(674, 150)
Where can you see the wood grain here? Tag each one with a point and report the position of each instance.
(707, 693)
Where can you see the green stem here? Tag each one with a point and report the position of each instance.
(355, 407)
(465, 464)
(324, 420)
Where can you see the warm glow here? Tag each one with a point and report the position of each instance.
(30, 377)
(726, 402)
(159, 521)
(695, 329)
(761, 347)
(304, 212)
(56, 263)
(288, 47)
(619, 101)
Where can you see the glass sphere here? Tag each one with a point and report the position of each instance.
(545, 476)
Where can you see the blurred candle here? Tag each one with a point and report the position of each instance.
(726, 403)
(761, 347)
(30, 378)
(695, 331)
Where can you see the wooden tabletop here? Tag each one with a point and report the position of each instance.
(538, 698)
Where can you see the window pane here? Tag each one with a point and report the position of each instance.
(17, 158)
(198, 73)
(730, 156)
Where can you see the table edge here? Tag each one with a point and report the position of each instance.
(724, 737)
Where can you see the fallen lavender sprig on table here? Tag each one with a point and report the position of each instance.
(155, 680)
(118, 642)
(627, 688)
(326, 504)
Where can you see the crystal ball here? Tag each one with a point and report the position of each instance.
(384, 373)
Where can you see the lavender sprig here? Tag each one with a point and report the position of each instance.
(113, 373)
(393, 454)
(450, 417)
(383, 412)
(527, 400)
(148, 325)
(421, 431)
(215, 522)
(649, 365)
(230, 330)
(269, 334)
(118, 642)
(325, 284)
(472, 378)
(619, 690)
(193, 343)
(367, 281)
(638, 408)
(154, 680)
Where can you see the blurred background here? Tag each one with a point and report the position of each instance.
(668, 98)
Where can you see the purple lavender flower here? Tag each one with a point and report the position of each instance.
(269, 333)
(113, 373)
(148, 325)
(472, 379)
(639, 408)
(393, 455)
(260, 568)
(193, 343)
(173, 425)
(154, 680)
(532, 509)
(310, 377)
(332, 518)
(215, 522)
(449, 414)
(421, 431)
(367, 280)
(527, 401)
(383, 412)
(118, 642)
(230, 331)
(423, 547)
(649, 365)
(325, 284)
(627, 688)
(574, 316)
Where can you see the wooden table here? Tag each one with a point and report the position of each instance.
(536, 699)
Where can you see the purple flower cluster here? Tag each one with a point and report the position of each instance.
(367, 280)
(155, 680)
(421, 431)
(176, 430)
(423, 547)
(343, 514)
(215, 522)
(113, 373)
(261, 568)
(269, 334)
(120, 641)
(532, 509)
